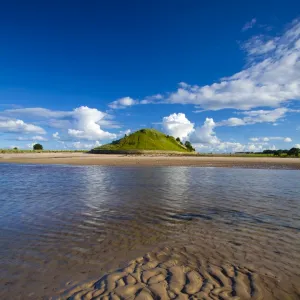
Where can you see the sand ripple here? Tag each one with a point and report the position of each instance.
(174, 274)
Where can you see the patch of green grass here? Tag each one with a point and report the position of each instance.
(38, 151)
(145, 139)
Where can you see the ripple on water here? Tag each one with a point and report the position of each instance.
(60, 221)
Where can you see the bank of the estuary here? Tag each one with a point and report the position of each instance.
(151, 159)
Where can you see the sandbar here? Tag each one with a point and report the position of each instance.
(151, 160)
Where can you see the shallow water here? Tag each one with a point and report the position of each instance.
(61, 225)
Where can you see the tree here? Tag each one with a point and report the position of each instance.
(277, 153)
(178, 140)
(37, 147)
(293, 152)
(15, 148)
(189, 146)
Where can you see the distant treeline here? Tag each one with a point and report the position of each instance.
(292, 152)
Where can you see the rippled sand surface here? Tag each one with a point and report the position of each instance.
(172, 273)
(96, 232)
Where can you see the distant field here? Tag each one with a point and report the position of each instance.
(38, 151)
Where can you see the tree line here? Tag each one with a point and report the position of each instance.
(187, 144)
(292, 152)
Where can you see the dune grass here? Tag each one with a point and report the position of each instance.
(146, 139)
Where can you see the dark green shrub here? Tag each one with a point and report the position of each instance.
(37, 147)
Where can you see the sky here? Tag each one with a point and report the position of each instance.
(224, 75)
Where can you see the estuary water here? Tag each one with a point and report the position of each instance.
(63, 225)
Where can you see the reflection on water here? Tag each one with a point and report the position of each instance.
(64, 222)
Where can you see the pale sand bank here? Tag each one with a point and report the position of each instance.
(151, 160)
(172, 273)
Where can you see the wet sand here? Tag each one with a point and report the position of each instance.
(203, 261)
(151, 160)
(177, 273)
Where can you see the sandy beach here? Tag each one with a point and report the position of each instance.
(151, 160)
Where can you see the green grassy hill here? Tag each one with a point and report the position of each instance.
(145, 139)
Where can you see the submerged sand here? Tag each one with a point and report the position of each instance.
(172, 273)
(196, 255)
(151, 160)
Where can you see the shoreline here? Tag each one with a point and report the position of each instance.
(151, 160)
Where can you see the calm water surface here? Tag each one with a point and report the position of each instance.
(60, 225)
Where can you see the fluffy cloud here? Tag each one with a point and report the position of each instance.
(297, 146)
(270, 81)
(205, 134)
(271, 138)
(54, 118)
(204, 138)
(19, 126)
(80, 123)
(177, 125)
(258, 116)
(249, 25)
(232, 147)
(87, 126)
(122, 103)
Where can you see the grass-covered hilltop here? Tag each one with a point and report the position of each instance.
(146, 139)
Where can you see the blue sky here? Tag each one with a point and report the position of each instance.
(222, 74)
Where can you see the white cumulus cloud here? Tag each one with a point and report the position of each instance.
(87, 125)
(205, 134)
(177, 125)
(204, 138)
(19, 126)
